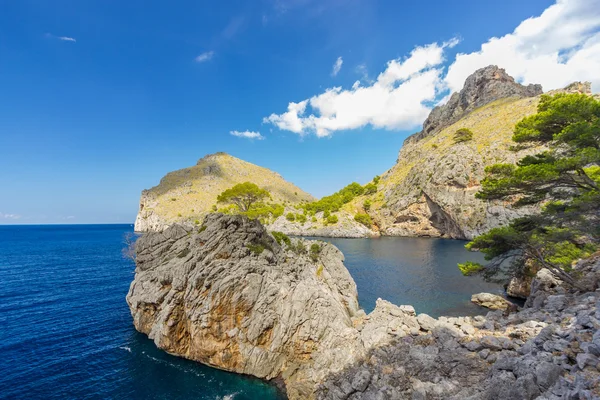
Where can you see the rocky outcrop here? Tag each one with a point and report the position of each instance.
(482, 87)
(549, 350)
(519, 287)
(431, 189)
(227, 294)
(491, 301)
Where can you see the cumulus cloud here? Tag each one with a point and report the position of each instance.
(560, 46)
(247, 135)
(337, 66)
(206, 56)
(396, 100)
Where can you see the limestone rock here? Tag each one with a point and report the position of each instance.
(482, 87)
(229, 296)
(519, 287)
(491, 301)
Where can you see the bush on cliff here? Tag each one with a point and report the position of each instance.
(364, 219)
(281, 238)
(290, 217)
(332, 219)
(463, 135)
(564, 178)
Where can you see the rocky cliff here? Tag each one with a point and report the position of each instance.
(188, 194)
(431, 189)
(227, 294)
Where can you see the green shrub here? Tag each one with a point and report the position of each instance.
(298, 247)
(281, 237)
(315, 250)
(290, 217)
(370, 188)
(326, 214)
(314, 219)
(301, 218)
(179, 214)
(173, 199)
(214, 208)
(463, 135)
(376, 179)
(202, 229)
(469, 268)
(367, 205)
(264, 211)
(256, 248)
(332, 219)
(335, 201)
(197, 222)
(364, 219)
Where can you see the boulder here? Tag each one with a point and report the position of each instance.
(491, 301)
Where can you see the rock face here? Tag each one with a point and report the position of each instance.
(187, 195)
(547, 351)
(346, 227)
(482, 87)
(431, 189)
(228, 295)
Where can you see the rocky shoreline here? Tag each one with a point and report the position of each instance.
(229, 295)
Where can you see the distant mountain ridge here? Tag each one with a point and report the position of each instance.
(430, 191)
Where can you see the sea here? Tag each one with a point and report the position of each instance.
(66, 331)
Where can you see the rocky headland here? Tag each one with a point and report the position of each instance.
(231, 295)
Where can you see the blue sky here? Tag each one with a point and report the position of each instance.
(100, 99)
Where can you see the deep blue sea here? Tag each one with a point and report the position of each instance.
(66, 331)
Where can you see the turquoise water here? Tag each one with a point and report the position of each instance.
(421, 272)
(66, 331)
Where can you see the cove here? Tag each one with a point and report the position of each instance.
(421, 272)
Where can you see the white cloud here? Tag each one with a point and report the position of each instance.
(560, 46)
(337, 66)
(247, 135)
(394, 101)
(206, 56)
(62, 38)
(9, 216)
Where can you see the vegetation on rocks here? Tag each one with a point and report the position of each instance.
(463, 135)
(364, 219)
(564, 178)
(243, 195)
(281, 238)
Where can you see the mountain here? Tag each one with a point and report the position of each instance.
(188, 194)
(431, 189)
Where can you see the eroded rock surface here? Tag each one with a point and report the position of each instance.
(208, 295)
(228, 295)
(548, 350)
